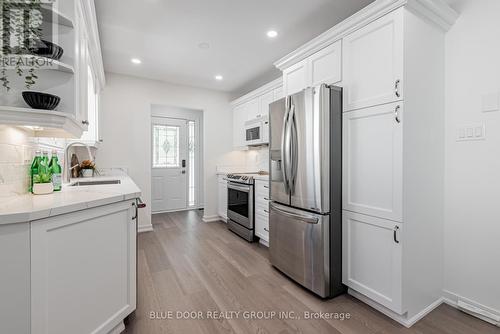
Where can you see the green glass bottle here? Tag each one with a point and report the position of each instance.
(44, 175)
(56, 171)
(34, 168)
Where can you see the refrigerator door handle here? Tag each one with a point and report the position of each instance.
(293, 154)
(284, 154)
(283, 211)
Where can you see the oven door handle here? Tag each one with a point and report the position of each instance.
(238, 187)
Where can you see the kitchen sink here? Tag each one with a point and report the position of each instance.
(94, 183)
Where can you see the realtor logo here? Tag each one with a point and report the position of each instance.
(28, 30)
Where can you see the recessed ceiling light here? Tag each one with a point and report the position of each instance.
(204, 45)
(272, 33)
(136, 61)
(219, 77)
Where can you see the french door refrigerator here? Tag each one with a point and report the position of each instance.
(305, 211)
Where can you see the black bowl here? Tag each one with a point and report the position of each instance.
(37, 100)
(48, 50)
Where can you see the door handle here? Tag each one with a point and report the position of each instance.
(396, 114)
(284, 152)
(183, 163)
(305, 218)
(396, 88)
(395, 235)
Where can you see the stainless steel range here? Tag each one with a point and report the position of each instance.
(240, 205)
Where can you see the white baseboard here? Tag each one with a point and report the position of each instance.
(482, 312)
(144, 228)
(210, 219)
(264, 242)
(118, 329)
(397, 317)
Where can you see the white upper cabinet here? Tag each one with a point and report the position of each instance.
(373, 161)
(326, 65)
(296, 77)
(82, 69)
(279, 93)
(264, 101)
(373, 261)
(373, 63)
(252, 109)
(239, 119)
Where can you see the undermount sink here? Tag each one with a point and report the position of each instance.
(94, 183)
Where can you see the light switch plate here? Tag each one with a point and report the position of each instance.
(471, 132)
(491, 102)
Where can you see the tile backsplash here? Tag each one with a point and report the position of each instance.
(17, 148)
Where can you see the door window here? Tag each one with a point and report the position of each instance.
(166, 146)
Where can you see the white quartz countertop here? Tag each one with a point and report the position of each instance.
(28, 207)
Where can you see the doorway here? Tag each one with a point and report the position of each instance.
(176, 161)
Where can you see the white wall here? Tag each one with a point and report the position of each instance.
(126, 130)
(472, 182)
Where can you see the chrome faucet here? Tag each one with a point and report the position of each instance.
(67, 168)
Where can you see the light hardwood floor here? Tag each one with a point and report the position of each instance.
(189, 265)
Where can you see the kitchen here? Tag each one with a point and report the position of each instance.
(412, 186)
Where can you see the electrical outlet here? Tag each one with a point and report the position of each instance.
(471, 132)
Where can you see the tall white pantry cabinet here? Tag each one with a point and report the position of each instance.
(393, 151)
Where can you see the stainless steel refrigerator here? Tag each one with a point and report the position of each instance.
(305, 212)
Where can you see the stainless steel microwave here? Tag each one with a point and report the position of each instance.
(257, 131)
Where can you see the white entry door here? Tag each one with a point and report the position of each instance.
(169, 165)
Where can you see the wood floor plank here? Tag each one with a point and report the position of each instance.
(189, 265)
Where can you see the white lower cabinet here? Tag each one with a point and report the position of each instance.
(222, 194)
(373, 262)
(83, 270)
(262, 209)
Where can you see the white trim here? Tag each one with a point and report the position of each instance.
(118, 329)
(487, 314)
(258, 92)
(211, 219)
(94, 43)
(436, 11)
(396, 317)
(144, 228)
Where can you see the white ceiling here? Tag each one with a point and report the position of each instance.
(165, 35)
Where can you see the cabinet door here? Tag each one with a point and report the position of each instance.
(239, 119)
(278, 93)
(372, 258)
(81, 75)
(222, 199)
(373, 63)
(252, 109)
(326, 65)
(78, 259)
(373, 161)
(265, 100)
(296, 78)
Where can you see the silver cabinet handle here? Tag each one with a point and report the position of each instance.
(396, 114)
(396, 229)
(267, 187)
(85, 123)
(266, 229)
(396, 88)
(266, 211)
(267, 199)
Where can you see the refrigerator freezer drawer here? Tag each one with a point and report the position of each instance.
(299, 246)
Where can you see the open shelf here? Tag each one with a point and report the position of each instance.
(45, 123)
(56, 65)
(52, 15)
